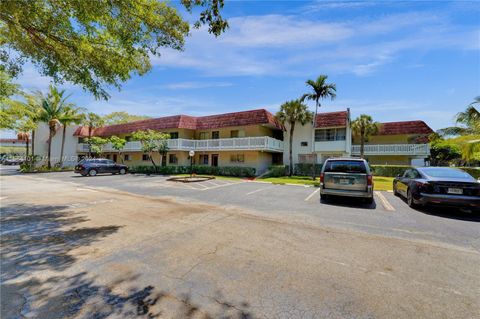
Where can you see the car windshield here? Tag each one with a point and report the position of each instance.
(345, 167)
(446, 172)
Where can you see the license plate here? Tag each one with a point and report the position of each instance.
(455, 191)
(344, 181)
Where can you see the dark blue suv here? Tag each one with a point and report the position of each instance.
(94, 166)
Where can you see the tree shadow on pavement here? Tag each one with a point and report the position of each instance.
(37, 237)
(36, 247)
(80, 296)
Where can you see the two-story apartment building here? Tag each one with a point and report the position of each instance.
(249, 138)
(397, 143)
(331, 137)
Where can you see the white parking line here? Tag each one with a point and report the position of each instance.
(258, 190)
(311, 195)
(386, 204)
(86, 189)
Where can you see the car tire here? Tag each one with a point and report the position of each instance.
(410, 200)
(324, 197)
(92, 172)
(369, 200)
(122, 171)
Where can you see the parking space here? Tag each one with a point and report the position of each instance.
(388, 215)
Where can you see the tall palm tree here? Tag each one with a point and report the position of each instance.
(320, 90)
(363, 127)
(53, 107)
(292, 112)
(92, 121)
(71, 115)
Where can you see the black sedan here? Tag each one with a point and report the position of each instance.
(438, 185)
(96, 166)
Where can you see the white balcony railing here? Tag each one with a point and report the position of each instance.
(260, 143)
(393, 149)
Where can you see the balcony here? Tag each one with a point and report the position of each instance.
(393, 149)
(260, 143)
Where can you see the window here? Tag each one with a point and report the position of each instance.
(237, 133)
(237, 158)
(126, 157)
(303, 144)
(345, 167)
(306, 158)
(203, 136)
(204, 159)
(215, 135)
(145, 157)
(108, 156)
(172, 159)
(331, 134)
(174, 135)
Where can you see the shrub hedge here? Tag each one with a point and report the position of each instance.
(277, 171)
(197, 169)
(305, 169)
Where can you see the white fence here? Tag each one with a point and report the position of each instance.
(260, 143)
(393, 149)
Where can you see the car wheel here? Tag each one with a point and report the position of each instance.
(410, 200)
(92, 172)
(123, 171)
(369, 200)
(324, 197)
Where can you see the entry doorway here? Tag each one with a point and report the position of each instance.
(115, 158)
(215, 160)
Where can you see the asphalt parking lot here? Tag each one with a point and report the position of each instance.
(141, 246)
(388, 215)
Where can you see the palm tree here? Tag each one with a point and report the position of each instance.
(469, 127)
(53, 107)
(92, 121)
(320, 90)
(71, 115)
(363, 127)
(24, 136)
(292, 112)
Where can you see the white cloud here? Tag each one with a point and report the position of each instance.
(297, 44)
(195, 85)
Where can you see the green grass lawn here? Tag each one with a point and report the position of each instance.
(380, 183)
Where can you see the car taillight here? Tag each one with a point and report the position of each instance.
(322, 177)
(423, 187)
(369, 180)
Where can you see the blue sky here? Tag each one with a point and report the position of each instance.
(392, 60)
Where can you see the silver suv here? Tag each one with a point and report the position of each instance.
(346, 177)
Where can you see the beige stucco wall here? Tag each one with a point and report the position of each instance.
(259, 160)
(385, 139)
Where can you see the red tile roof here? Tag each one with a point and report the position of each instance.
(253, 117)
(405, 127)
(332, 119)
(12, 140)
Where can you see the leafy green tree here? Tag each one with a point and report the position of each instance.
(152, 141)
(122, 117)
(96, 43)
(53, 107)
(91, 121)
(96, 144)
(443, 152)
(320, 89)
(363, 127)
(292, 112)
(468, 126)
(71, 115)
(118, 144)
(7, 87)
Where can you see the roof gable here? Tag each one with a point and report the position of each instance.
(253, 117)
(331, 119)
